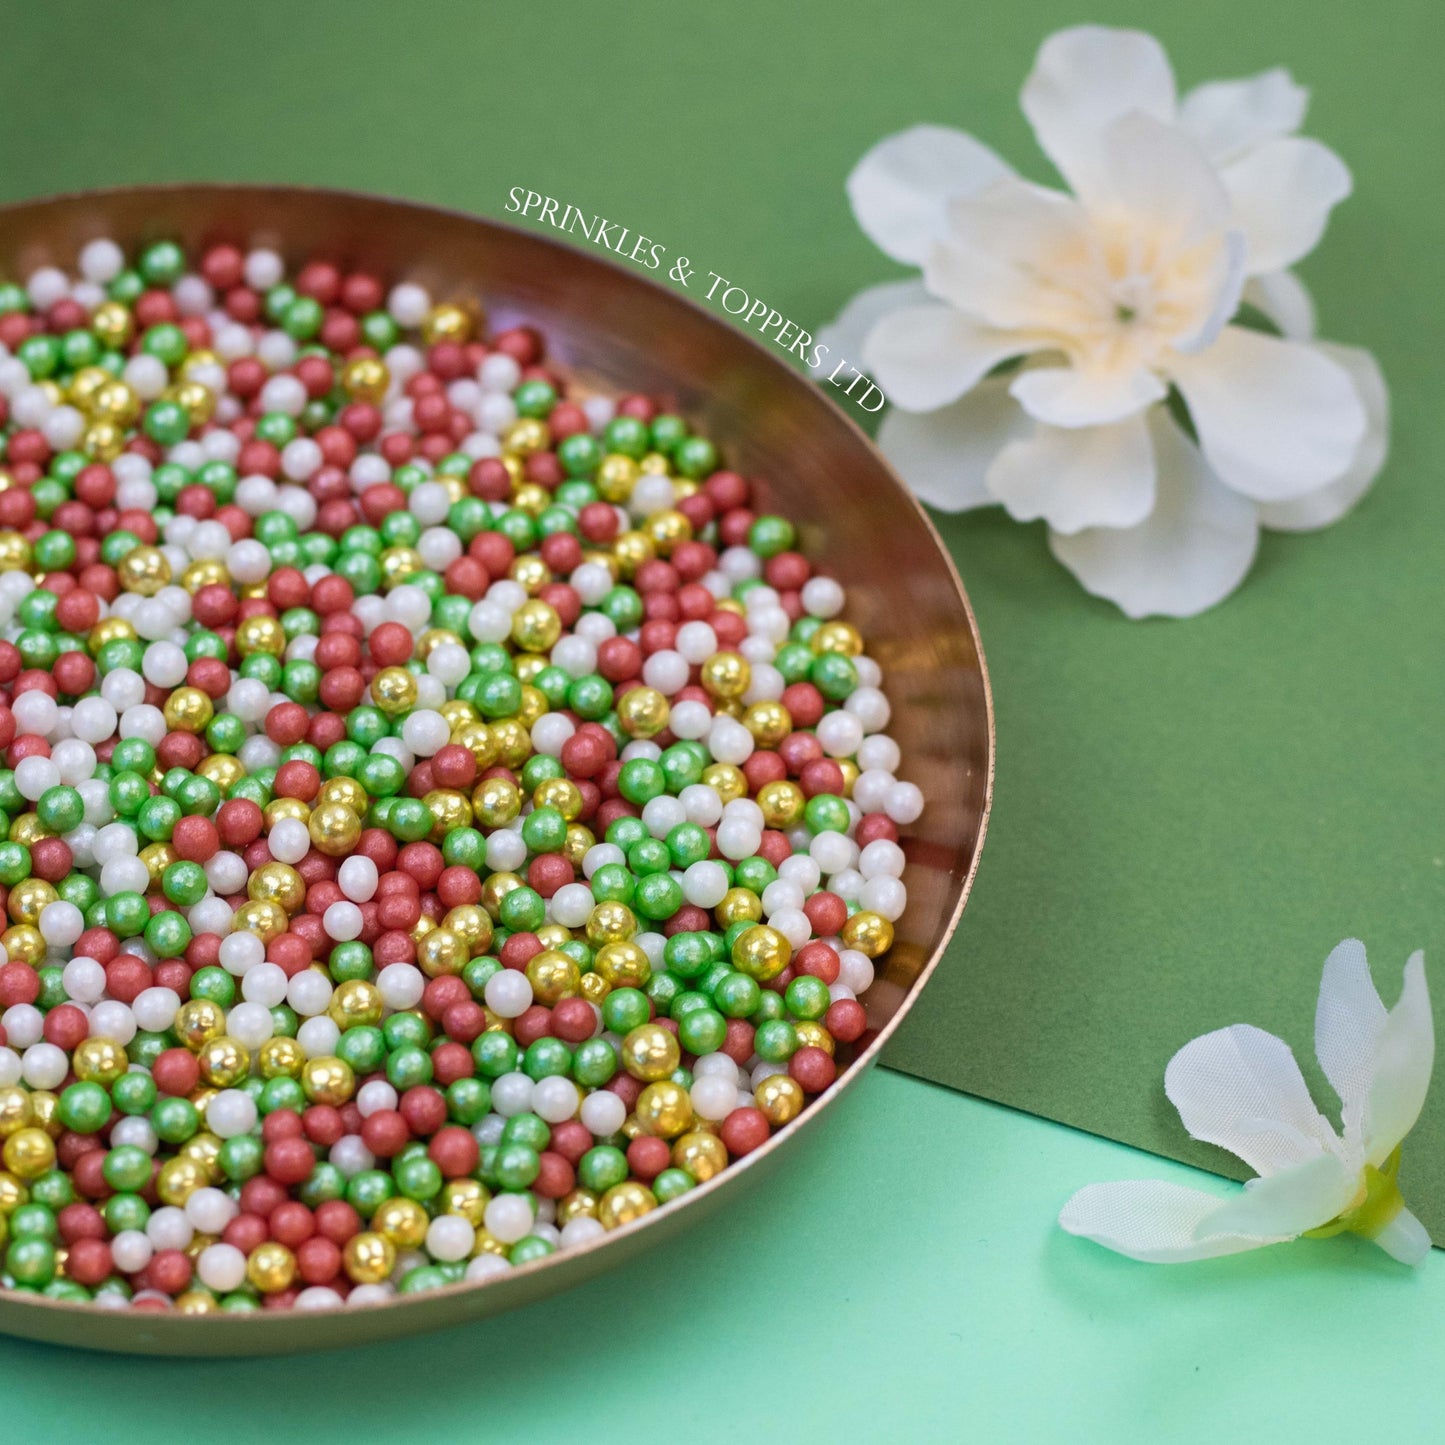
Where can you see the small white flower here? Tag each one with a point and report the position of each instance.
(1240, 1088)
(1107, 299)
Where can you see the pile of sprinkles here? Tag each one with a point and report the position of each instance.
(443, 820)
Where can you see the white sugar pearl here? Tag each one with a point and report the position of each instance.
(33, 775)
(870, 707)
(10, 1067)
(880, 752)
(599, 855)
(136, 1130)
(489, 622)
(168, 1228)
(144, 722)
(508, 993)
(210, 1210)
(101, 261)
(342, 921)
(549, 733)
(729, 741)
(904, 803)
(211, 915)
(309, 992)
(555, 1099)
(871, 788)
(263, 269)
(484, 1266)
(508, 1217)
(357, 878)
(111, 1019)
(84, 979)
(220, 1266)
(574, 655)
(868, 671)
(44, 1066)
(855, 970)
(822, 597)
(155, 1009)
(35, 712)
(701, 803)
(839, 732)
(881, 856)
(251, 1023)
(230, 1113)
(74, 759)
(603, 1113)
(374, 1097)
(847, 885)
(351, 1156)
(713, 1096)
(579, 1231)
(506, 851)
(289, 840)
(46, 286)
(793, 924)
(449, 1237)
(123, 874)
(738, 838)
(571, 904)
(241, 951)
(448, 663)
(401, 985)
(249, 561)
(884, 895)
(132, 1250)
(408, 304)
(512, 1094)
(61, 923)
(696, 641)
(667, 671)
(662, 814)
(93, 720)
(318, 1037)
(705, 884)
(425, 733)
(833, 851)
(266, 984)
(226, 873)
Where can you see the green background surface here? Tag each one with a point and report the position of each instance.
(1188, 815)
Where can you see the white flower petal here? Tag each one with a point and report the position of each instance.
(1154, 1221)
(844, 335)
(1193, 550)
(1404, 1059)
(1348, 1019)
(1227, 282)
(1230, 116)
(1301, 1197)
(1329, 503)
(1098, 476)
(1086, 77)
(944, 455)
(901, 186)
(1282, 297)
(1077, 396)
(1276, 419)
(1157, 177)
(1234, 1086)
(1013, 257)
(927, 356)
(1282, 193)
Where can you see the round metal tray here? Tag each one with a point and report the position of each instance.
(610, 328)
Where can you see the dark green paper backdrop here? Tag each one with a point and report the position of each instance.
(1188, 815)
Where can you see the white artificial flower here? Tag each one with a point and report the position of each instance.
(1240, 1088)
(1105, 300)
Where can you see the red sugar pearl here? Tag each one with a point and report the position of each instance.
(745, 1129)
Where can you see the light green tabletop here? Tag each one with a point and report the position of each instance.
(903, 1279)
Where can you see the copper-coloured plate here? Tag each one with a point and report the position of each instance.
(612, 329)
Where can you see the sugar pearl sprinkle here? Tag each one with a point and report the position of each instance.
(443, 820)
